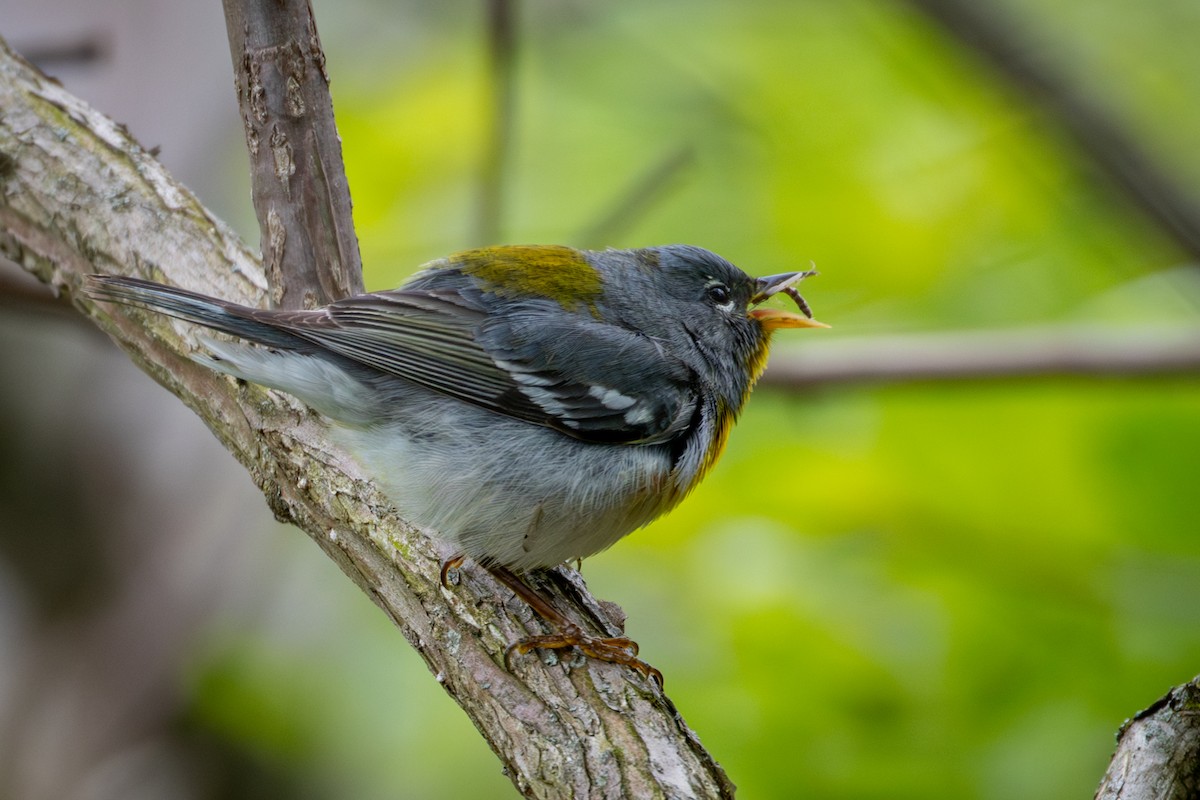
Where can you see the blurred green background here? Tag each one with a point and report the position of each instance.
(927, 589)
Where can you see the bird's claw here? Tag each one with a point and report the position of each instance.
(449, 574)
(616, 649)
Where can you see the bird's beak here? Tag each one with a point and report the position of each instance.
(774, 318)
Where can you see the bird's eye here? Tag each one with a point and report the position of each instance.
(719, 293)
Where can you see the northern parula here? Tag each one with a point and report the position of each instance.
(529, 405)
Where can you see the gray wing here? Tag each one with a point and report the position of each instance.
(538, 363)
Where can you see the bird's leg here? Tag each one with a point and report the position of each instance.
(616, 649)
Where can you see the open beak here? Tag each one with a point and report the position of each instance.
(774, 318)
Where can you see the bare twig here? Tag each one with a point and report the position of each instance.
(1158, 751)
(77, 50)
(982, 28)
(21, 292)
(79, 196)
(502, 57)
(634, 203)
(972, 355)
(301, 195)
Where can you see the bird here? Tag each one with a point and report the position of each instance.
(529, 405)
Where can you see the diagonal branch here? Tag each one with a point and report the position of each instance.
(634, 203)
(77, 195)
(997, 41)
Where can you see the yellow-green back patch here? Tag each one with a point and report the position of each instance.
(559, 273)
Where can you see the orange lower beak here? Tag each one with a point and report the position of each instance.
(774, 318)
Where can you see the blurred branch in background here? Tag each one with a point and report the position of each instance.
(999, 42)
(1045, 351)
(50, 54)
(636, 201)
(1077, 350)
(502, 58)
(20, 291)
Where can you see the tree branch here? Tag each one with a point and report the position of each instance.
(502, 92)
(77, 195)
(983, 29)
(638, 198)
(301, 195)
(1158, 751)
(1051, 351)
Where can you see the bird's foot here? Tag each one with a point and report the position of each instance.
(613, 649)
(449, 575)
(616, 649)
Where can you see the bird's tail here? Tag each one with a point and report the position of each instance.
(265, 352)
(246, 323)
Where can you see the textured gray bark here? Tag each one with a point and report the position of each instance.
(1158, 751)
(301, 196)
(77, 196)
